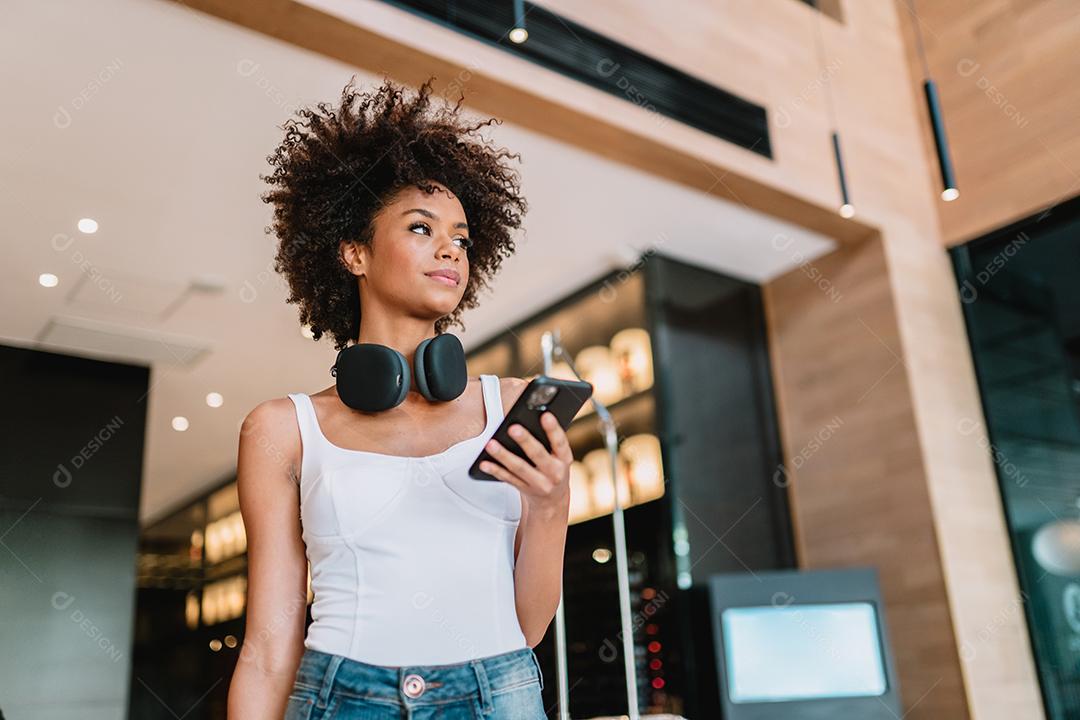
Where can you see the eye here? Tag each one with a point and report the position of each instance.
(464, 242)
(419, 224)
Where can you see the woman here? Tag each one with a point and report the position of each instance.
(430, 588)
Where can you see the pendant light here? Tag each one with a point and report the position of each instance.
(518, 33)
(949, 191)
(1056, 545)
(846, 208)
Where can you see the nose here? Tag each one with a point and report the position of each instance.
(450, 249)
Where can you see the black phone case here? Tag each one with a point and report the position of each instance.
(572, 394)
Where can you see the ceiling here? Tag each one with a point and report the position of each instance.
(156, 121)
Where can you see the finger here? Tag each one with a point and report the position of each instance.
(501, 473)
(515, 464)
(539, 454)
(560, 445)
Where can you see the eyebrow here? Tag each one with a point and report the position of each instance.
(433, 216)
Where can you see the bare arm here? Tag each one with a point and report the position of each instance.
(540, 542)
(267, 468)
(539, 568)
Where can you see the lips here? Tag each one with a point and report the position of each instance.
(450, 277)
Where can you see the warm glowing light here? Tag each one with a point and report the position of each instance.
(48, 280)
(214, 399)
(580, 497)
(179, 423)
(519, 35)
(598, 464)
(950, 194)
(224, 600)
(225, 538)
(596, 364)
(847, 210)
(215, 645)
(88, 226)
(633, 358)
(601, 555)
(230, 641)
(641, 453)
(191, 611)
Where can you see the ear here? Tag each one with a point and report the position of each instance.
(353, 256)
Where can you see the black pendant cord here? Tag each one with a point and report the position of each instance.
(920, 49)
(846, 208)
(949, 191)
(819, 43)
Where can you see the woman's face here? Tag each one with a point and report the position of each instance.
(419, 260)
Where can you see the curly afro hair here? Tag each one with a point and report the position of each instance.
(336, 169)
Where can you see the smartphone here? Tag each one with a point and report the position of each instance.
(563, 398)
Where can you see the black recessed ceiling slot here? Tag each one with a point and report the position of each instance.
(562, 45)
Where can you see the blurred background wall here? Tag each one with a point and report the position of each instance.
(70, 474)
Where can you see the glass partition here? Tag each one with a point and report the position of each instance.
(1020, 289)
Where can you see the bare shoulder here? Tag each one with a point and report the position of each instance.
(270, 433)
(510, 388)
(271, 415)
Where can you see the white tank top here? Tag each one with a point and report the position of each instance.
(412, 561)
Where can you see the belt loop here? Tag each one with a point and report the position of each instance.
(486, 704)
(328, 681)
(536, 662)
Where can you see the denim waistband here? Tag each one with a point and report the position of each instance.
(326, 675)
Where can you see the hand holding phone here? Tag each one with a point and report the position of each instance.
(562, 398)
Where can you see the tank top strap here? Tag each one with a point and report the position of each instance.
(493, 408)
(310, 435)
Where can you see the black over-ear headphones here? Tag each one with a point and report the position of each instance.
(373, 377)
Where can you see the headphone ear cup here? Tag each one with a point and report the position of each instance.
(421, 369)
(441, 372)
(371, 377)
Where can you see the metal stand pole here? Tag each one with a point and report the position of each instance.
(546, 343)
(551, 346)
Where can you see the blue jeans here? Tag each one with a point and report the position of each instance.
(498, 687)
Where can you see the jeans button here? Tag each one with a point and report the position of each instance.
(414, 686)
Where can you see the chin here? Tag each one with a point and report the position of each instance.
(441, 308)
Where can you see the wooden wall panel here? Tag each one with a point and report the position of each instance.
(860, 492)
(1006, 73)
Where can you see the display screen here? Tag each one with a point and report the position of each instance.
(802, 652)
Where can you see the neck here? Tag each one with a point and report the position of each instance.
(400, 333)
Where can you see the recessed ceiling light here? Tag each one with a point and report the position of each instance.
(180, 423)
(214, 399)
(47, 280)
(88, 225)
